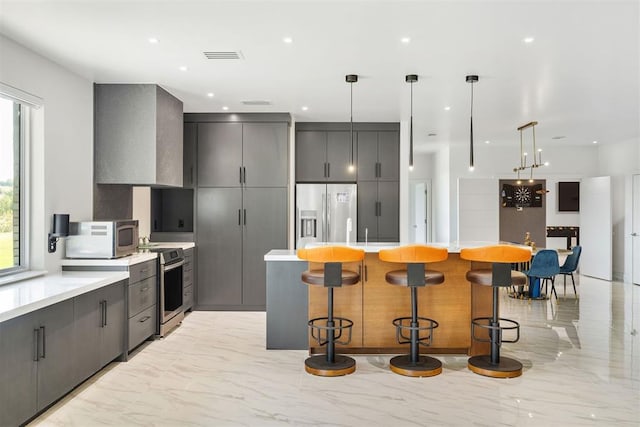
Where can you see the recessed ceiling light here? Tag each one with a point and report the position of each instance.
(225, 108)
(153, 40)
(595, 142)
(406, 40)
(305, 108)
(447, 108)
(528, 39)
(287, 40)
(183, 68)
(210, 94)
(487, 142)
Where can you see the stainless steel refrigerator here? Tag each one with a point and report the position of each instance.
(324, 213)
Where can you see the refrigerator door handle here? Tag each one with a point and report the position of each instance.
(328, 216)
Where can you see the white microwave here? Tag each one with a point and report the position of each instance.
(102, 239)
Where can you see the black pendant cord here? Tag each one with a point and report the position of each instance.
(411, 130)
(351, 124)
(471, 131)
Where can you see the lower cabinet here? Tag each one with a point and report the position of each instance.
(37, 364)
(187, 280)
(100, 329)
(143, 295)
(378, 211)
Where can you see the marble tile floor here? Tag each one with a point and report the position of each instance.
(581, 358)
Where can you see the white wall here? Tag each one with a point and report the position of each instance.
(620, 161)
(62, 151)
(497, 162)
(478, 210)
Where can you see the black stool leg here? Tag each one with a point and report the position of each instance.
(495, 333)
(331, 337)
(414, 324)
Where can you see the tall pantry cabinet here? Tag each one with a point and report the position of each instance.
(241, 205)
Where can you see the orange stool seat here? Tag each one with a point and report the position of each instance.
(500, 275)
(414, 276)
(329, 330)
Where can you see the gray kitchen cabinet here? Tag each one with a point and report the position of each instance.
(219, 240)
(323, 156)
(37, 363)
(235, 229)
(187, 279)
(265, 228)
(99, 317)
(138, 135)
(241, 207)
(378, 156)
(189, 155)
(378, 211)
(242, 154)
(219, 154)
(142, 295)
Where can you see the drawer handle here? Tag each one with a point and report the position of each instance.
(144, 270)
(144, 319)
(146, 288)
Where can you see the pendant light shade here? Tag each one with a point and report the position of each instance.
(351, 79)
(411, 78)
(471, 79)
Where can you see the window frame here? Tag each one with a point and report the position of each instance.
(23, 186)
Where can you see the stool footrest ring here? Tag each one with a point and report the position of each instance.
(404, 324)
(485, 323)
(321, 330)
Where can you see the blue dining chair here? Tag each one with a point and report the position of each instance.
(544, 266)
(570, 265)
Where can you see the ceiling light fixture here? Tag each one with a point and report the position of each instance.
(287, 40)
(153, 40)
(225, 108)
(528, 39)
(471, 79)
(305, 108)
(210, 95)
(411, 79)
(487, 142)
(183, 68)
(447, 108)
(351, 79)
(595, 142)
(523, 155)
(406, 40)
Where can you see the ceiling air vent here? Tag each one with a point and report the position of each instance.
(257, 102)
(223, 55)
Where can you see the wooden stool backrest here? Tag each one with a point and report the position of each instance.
(496, 253)
(326, 254)
(414, 254)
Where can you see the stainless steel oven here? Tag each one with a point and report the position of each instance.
(170, 273)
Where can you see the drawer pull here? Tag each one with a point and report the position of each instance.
(144, 319)
(146, 288)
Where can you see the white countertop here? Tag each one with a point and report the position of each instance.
(374, 247)
(183, 245)
(29, 295)
(125, 261)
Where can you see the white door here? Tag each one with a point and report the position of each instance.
(636, 230)
(596, 228)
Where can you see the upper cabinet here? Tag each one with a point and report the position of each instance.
(242, 154)
(323, 156)
(378, 156)
(138, 135)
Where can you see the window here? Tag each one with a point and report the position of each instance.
(12, 232)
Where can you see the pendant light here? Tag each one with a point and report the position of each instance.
(351, 79)
(411, 78)
(537, 160)
(471, 79)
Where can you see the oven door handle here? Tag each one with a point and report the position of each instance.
(174, 265)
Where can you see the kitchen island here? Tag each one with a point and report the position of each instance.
(372, 304)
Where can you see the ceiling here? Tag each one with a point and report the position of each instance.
(579, 78)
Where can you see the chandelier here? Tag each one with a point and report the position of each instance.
(537, 155)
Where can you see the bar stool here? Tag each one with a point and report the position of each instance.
(323, 329)
(500, 275)
(414, 276)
